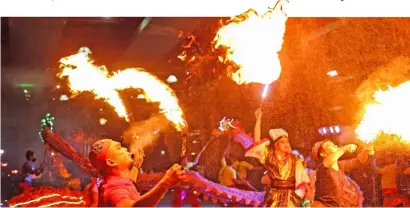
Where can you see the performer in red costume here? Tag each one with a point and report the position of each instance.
(113, 162)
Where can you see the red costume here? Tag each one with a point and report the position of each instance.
(114, 189)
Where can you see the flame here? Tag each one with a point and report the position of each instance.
(385, 115)
(192, 40)
(83, 75)
(183, 56)
(252, 42)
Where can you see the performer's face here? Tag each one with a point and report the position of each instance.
(283, 145)
(328, 148)
(119, 157)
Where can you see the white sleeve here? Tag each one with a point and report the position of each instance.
(259, 151)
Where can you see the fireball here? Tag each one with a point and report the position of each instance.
(83, 75)
(387, 115)
(252, 41)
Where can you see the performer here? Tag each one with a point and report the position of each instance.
(227, 175)
(333, 187)
(390, 192)
(113, 162)
(29, 168)
(287, 176)
(242, 167)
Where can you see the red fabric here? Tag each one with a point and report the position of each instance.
(390, 199)
(115, 189)
(390, 191)
(25, 186)
(301, 185)
(179, 195)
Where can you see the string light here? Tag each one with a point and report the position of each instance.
(48, 119)
(53, 203)
(62, 202)
(103, 121)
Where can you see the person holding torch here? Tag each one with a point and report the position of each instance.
(287, 177)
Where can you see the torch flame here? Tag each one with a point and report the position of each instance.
(252, 42)
(387, 114)
(83, 75)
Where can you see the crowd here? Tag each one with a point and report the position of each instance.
(290, 180)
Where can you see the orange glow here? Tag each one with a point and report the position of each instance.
(103, 121)
(384, 116)
(83, 75)
(252, 41)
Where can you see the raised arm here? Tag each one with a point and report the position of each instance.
(151, 199)
(257, 129)
(332, 159)
(348, 165)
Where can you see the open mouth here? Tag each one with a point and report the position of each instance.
(132, 156)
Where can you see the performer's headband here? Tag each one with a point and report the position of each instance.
(98, 153)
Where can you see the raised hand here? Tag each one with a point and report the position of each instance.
(173, 176)
(350, 148)
(258, 114)
(369, 150)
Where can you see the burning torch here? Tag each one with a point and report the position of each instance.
(264, 92)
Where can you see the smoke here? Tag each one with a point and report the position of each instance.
(143, 134)
(392, 74)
